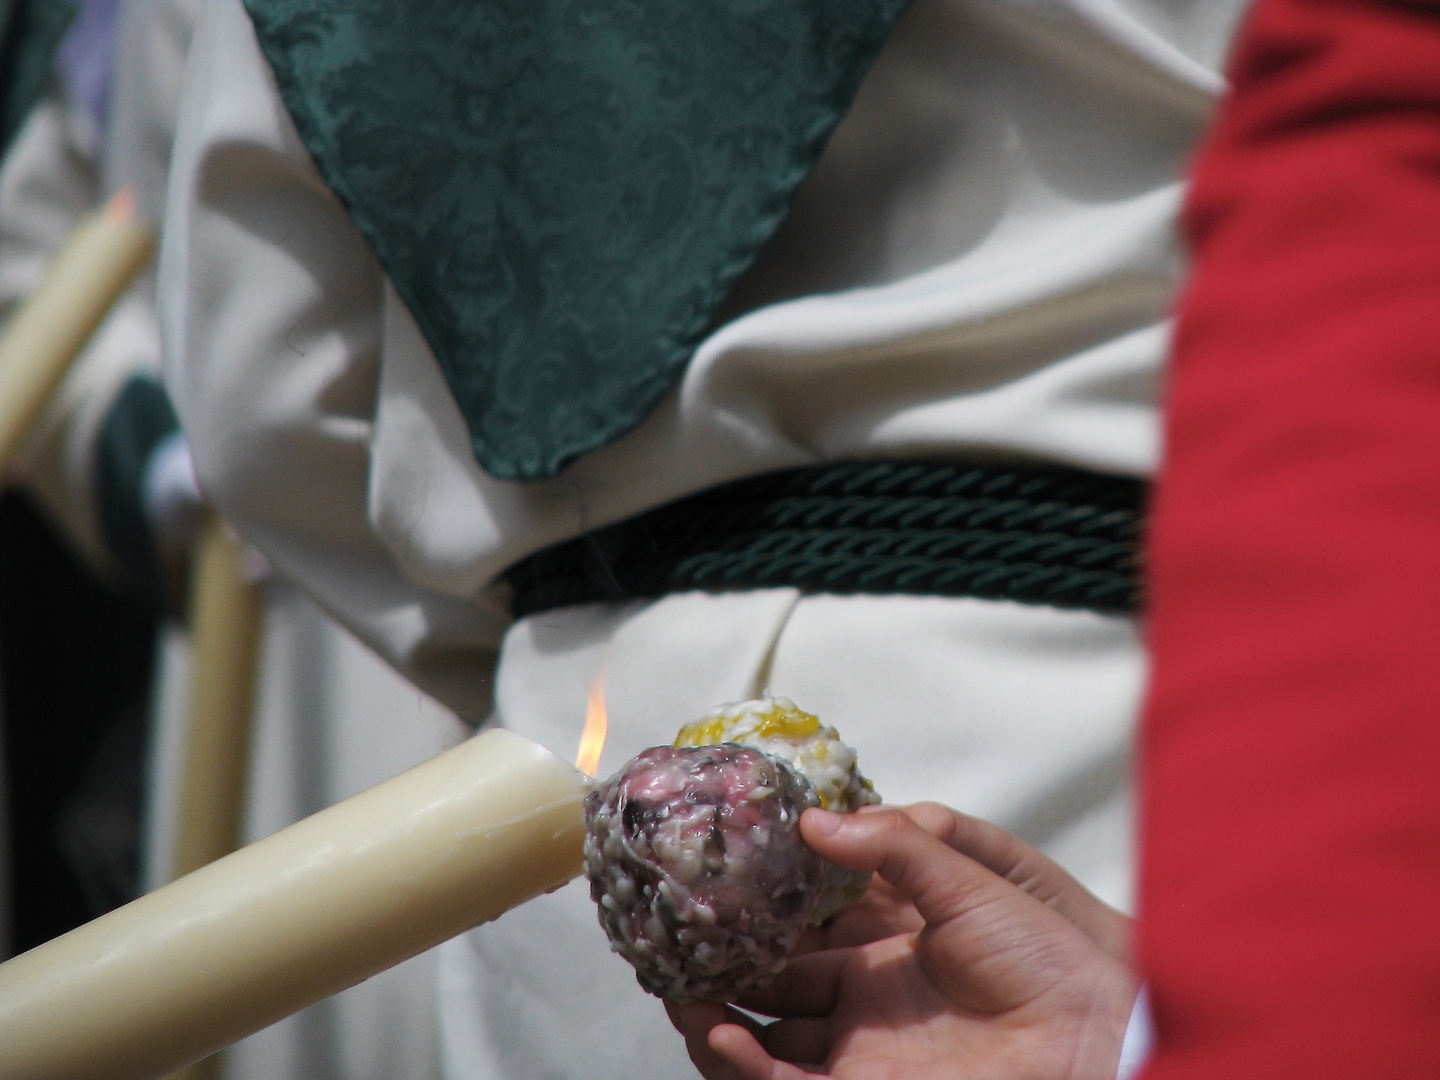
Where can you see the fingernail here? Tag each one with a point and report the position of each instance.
(825, 822)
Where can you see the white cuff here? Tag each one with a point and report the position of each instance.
(172, 498)
(1139, 1038)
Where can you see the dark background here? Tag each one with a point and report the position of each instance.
(75, 670)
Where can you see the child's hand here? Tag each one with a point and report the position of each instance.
(972, 955)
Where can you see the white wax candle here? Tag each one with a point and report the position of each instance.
(293, 918)
(97, 263)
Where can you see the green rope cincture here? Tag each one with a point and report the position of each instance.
(1056, 536)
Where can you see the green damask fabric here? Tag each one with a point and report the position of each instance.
(564, 191)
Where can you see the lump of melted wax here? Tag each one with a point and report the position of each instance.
(695, 860)
(814, 750)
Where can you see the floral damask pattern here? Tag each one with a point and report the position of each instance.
(563, 191)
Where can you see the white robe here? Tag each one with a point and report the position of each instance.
(331, 718)
(981, 266)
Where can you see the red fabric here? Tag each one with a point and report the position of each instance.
(1290, 897)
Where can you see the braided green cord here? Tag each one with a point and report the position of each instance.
(1055, 536)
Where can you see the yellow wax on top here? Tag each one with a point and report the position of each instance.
(780, 722)
(776, 726)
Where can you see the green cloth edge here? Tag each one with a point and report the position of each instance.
(139, 420)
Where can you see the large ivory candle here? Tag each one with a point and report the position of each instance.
(295, 917)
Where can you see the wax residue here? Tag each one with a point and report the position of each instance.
(697, 867)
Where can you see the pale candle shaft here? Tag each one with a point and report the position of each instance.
(225, 617)
(296, 917)
(95, 266)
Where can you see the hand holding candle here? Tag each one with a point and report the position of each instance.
(977, 956)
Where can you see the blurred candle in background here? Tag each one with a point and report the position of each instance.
(97, 264)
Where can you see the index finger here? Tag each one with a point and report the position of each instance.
(942, 883)
(1029, 869)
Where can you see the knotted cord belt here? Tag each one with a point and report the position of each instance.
(1058, 536)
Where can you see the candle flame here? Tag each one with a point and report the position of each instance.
(592, 738)
(121, 206)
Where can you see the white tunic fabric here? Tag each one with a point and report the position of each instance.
(331, 718)
(979, 267)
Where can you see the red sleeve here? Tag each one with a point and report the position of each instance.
(1290, 896)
